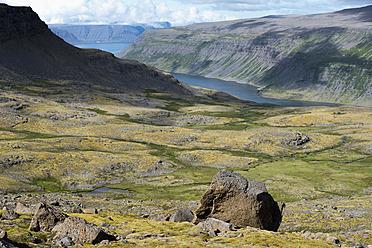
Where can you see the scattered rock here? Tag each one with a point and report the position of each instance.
(90, 211)
(9, 215)
(214, 226)
(160, 217)
(5, 244)
(183, 214)
(81, 231)
(3, 234)
(45, 218)
(239, 201)
(23, 208)
(64, 242)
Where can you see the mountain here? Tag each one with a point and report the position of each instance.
(29, 50)
(322, 57)
(98, 33)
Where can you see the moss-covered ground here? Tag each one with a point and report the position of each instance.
(163, 148)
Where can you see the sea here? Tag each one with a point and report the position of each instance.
(243, 91)
(112, 47)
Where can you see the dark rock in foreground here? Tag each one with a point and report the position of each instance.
(5, 244)
(45, 218)
(241, 202)
(80, 231)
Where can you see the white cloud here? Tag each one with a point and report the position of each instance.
(115, 11)
(178, 12)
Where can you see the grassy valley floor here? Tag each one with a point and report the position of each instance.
(57, 143)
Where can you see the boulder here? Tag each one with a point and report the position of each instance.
(80, 231)
(160, 217)
(64, 242)
(5, 244)
(183, 214)
(239, 201)
(23, 208)
(3, 234)
(45, 218)
(9, 215)
(213, 226)
(90, 211)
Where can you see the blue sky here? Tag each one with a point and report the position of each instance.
(177, 12)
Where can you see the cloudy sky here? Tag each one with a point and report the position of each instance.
(177, 12)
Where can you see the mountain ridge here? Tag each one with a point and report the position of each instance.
(89, 33)
(29, 50)
(321, 57)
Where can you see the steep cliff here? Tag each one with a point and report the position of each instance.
(29, 50)
(324, 57)
(101, 33)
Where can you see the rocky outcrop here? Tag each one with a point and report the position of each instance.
(29, 50)
(45, 218)
(80, 231)
(9, 215)
(239, 201)
(325, 57)
(183, 214)
(213, 226)
(23, 208)
(3, 234)
(5, 244)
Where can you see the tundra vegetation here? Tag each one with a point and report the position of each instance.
(59, 142)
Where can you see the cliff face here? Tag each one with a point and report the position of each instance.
(101, 33)
(17, 22)
(325, 57)
(29, 50)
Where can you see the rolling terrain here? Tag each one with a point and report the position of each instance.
(324, 57)
(73, 120)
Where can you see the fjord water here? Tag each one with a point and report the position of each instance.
(243, 91)
(112, 47)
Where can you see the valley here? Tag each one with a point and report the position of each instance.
(73, 121)
(323, 57)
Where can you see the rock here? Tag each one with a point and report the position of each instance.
(184, 214)
(160, 217)
(5, 244)
(64, 242)
(81, 231)
(213, 226)
(90, 211)
(9, 215)
(23, 208)
(45, 218)
(3, 234)
(76, 210)
(239, 201)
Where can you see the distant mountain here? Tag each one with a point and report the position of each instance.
(102, 33)
(323, 57)
(29, 50)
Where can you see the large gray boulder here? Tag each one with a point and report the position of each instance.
(239, 201)
(80, 231)
(45, 218)
(182, 215)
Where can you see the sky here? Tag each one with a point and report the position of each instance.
(177, 12)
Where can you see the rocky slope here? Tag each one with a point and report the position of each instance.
(101, 33)
(324, 57)
(29, 50)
